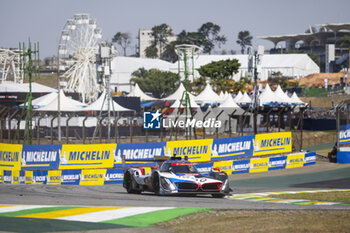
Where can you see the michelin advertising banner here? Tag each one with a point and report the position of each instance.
(240, 166)
(10, 156)
(87, 156)
(232, 148)
(272, 143)
(344, 135)
(196, 150)
(141, 152)
(40, 157)
(278, 162)
(310, 159)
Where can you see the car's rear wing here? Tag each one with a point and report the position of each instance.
(158, 159)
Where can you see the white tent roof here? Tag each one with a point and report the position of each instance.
(137, 92)
(176, 104)
(283, 96)
(231, 105)
(295, 99)
(238, 96)
(44, 100)
(177, 95)
(208, 96)
(268, 96)
(97, 105)
(245, 99)
(24, 87)
(222, 95)
(66, 104)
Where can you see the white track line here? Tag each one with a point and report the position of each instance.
(21, 207)
(112, 214)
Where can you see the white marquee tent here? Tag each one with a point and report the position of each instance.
(100, 103)
(245, 99)
(208, 96)
(179, 93)
(137, 92)
(24, 87)
(66, 104)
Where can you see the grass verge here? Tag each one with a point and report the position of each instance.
(343, 197)
(225, 221)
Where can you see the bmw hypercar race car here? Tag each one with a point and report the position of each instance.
(176, 176)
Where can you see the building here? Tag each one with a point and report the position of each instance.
(290, 65)
(145, 40)
(316, 39)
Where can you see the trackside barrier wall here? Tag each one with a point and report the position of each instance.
(115, 175)
(99, 164)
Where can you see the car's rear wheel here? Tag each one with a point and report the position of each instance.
(130, 184)
(155, 183)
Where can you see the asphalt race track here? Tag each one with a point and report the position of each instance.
(334, 177)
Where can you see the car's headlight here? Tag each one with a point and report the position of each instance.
(167, 184)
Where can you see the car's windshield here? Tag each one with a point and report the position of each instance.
(182, 168)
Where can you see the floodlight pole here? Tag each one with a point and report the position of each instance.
(255, 111)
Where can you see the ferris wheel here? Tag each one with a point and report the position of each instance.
(10, 62)
(77, 56)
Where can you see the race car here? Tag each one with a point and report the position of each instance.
(176, 176)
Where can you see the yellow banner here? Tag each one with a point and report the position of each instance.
(272, 143)
(29, 177)
(87, 156)
(196, 150)
(15, 177)
(294, 161)
(92, 176)
(10, 156)
(225, 166)
(259, 165)
(54, 177)
(1, 176)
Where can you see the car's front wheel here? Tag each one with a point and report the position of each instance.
(129, 184)
(155, 183)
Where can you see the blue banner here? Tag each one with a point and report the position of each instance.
(40, 157)
(232, 148)
(344, 135)
(70, 177)
(204, 168)
(39, 177)
(139, 151)
(7, 177)
(22, 177)
(240, 166)
(277, 162)
(310, 158)
(114, 176)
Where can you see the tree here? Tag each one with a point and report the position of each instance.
(210, 36)
(159, 83)
(160, 35)
(151, 52)
(220, 73)
(244, 39)
(122, 39)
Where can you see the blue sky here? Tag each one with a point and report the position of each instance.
(42, 20)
